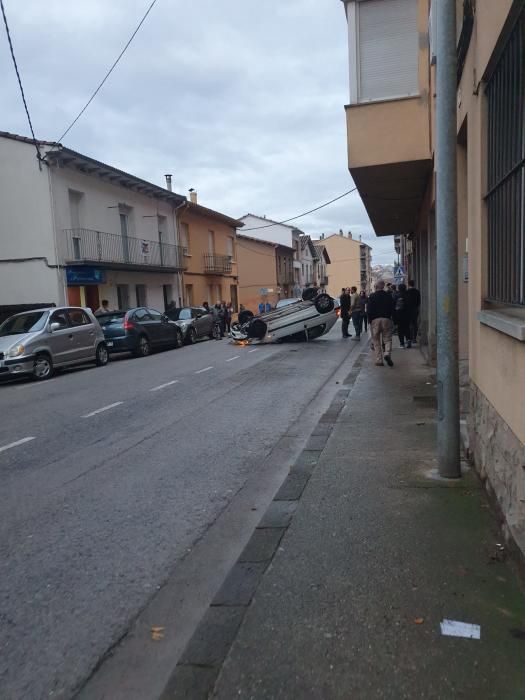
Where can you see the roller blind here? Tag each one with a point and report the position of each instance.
(388, 49)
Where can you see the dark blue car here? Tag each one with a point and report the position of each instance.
(139, 331)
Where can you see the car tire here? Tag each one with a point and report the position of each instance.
(191, 336)
(310, 293)
(257, 329)
(42, 368)
(245, 316)
(143, 348)
(178, 341)
(102, 355)
(324, 303)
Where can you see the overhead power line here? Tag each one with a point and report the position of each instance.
(19, 78)
(293, 218)
(110, 71)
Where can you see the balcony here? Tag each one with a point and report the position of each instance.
(82, 246)
(217, 264)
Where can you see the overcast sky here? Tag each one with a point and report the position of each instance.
(241, 99)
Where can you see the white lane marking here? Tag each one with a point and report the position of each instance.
(206, 369)
(254, 350)
(104, 408)
(163, 386)
(15, 444)
(233, 358)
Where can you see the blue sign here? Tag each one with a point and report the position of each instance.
(85, 275)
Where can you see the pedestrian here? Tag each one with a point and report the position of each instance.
(103, 308)
(380, 310)
(206, 306)
(218, 319)
(228, 313)
(355, 312)
(261, 307)
(363, 299)
(414, 305)
(344, 300)
(402, 316)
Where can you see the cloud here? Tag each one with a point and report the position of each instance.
(242, 100)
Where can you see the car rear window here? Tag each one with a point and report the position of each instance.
(114, 317)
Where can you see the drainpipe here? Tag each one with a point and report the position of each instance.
(180, 278)
(448, 432)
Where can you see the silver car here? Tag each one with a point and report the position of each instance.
(40, 341)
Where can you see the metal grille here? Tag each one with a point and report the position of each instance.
(506, 172)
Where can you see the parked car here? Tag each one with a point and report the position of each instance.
(38, 342)
(195, 322)
(305, 319)
(139, 331)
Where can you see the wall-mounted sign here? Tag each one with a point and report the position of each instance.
(85, 275)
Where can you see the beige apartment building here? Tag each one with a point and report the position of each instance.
(347, 256)
(391, 155)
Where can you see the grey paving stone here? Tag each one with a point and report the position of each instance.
(293, 486)
(330, 416)
(213, 637)
(262, 544)
(240, 584)
(323, 429)
(279, 514)
(190, 683)
(316, 443)
(307, 460)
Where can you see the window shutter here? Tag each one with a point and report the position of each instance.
(388, 49)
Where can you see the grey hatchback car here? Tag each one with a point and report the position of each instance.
(38, 342)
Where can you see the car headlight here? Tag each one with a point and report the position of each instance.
(16, 351)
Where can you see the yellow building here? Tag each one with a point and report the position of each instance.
(209, 240)
(391, 144)
(344, 269)
(257, 267)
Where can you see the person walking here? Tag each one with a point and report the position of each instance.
(355, 311)
(380, 310)
(363, 299)
(228, 314)
(402, 316)
(414, 305)
(345, 302)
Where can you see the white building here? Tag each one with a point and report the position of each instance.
(74, 230)
(272, 231)
(308, 261)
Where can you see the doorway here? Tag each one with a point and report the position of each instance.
(123, 296)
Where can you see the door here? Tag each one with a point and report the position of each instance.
(61, 340)
(203, 321)
(124, 232)
(142, 317)
(92, 297)
(73, 296)
(163, 328)
(123, 296)
(233, 296)
(140, 293)
(83, 331)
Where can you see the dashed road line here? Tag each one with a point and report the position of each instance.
(104, 408)
(254, 350)
(206, 369)
(163, 386)
(233, 358)
(15, 444)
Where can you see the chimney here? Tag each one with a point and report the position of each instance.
(349, 234)
(193, 195)
(341, 232)
(168, 182)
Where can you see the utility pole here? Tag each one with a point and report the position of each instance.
(448, 432)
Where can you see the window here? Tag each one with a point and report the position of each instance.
(211, 242)
(76, 248)
(78, 317)
(230, 247)
(61, 318)
(188, 293)
(123, 296)
(155, 315)
(184, 234)
(141, 315)
(140, 293)
(167, 293)
(385, 65)
(505, 196)
(75, 199)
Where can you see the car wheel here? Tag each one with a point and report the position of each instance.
(216, 332)
(257, 329)
(102, 355)
(324, 303)
(191, 336)
(178, 342)
(310, 293)
(143, 348)
(42, 368)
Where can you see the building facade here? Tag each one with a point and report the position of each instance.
(321, 266)
(308, 259)
(391, 150)
(257, 262)
(344, 252)
(76, 231)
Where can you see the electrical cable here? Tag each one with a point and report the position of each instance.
(321, 206)
(75, 120)
(19, 79)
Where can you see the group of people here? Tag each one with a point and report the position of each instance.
(222, 315)
(387, 309)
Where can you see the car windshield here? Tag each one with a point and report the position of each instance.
(24, 323)
(180, 314)
(113, 317)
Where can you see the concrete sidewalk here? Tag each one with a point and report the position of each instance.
(341, 591)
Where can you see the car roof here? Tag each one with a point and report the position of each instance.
(52, 308)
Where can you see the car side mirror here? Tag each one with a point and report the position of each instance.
(55, 326)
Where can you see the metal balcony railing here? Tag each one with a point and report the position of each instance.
(82, 245)
(217, 264)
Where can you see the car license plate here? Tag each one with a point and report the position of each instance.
(109, 343)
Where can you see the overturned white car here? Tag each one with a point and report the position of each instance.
(305, 319)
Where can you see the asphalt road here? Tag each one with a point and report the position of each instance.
(109, 476)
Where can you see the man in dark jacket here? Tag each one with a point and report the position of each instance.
(414, 304)
(346, 303)
(380, 311)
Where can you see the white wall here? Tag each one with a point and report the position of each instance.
(152, 280)
(276, 233)
(26, 228)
